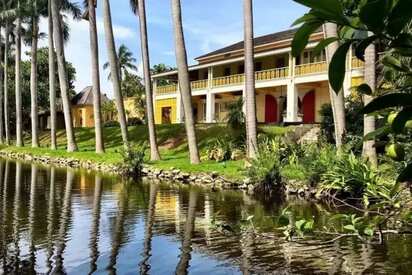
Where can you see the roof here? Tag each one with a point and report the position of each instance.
(85, 97)
(262, 40)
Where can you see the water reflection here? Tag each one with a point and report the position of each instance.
(66, 221)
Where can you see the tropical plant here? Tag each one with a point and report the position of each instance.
(114, 71)
(126, 62)
(184, 82)
(264, 171)
(133, 159)
(236, 116)
(366, 22)
(250, 95)
(350, 175)
(139, 7)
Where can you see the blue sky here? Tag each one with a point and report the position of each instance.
(208, 25)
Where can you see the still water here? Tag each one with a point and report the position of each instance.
(68, 221)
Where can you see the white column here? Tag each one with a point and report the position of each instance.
(347, 83)
(210, 107)
(292, 107)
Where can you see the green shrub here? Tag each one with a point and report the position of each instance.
(265, 169)
(133, 159)
(226, 148)
(236, 117)
(134, 121)
(111, 123)
(350, 175)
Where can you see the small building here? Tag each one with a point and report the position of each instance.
(45, 119)
(82, 108)
(132, 107)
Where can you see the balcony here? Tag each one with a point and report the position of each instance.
(357, 63)
(166, 89)
(199, 84)
(311, 68)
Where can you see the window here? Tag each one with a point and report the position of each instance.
(280, 62)
(226, 71)
(241, 69)
(258, 66)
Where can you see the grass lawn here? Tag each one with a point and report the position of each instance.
(172, 142)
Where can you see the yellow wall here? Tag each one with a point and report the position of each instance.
(356, 81)
(160, 103)
(83, 116)
(131, 108)
(321, 97)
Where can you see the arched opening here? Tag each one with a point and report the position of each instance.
(271, 109)
(308, 105)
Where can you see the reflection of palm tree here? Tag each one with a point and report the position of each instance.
(50, 219)
(144, 266)
(16, 219)
(2, 213)
(118, 230)
(4, 218)
(64, 222)
(31, 216)
(186, 249)
(94, 232)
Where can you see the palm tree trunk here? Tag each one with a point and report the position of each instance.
(154, 151)
(19, 116)
(369, 150)
(94, 50)
(251, 128)
(1, 98)
(337, 99)
(184, 82)
(61, 66)
(52, 81)
(33, 86)
(111, 51)
(6, 89)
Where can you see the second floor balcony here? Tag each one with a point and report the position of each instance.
(260, 76)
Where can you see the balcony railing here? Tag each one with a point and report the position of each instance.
(228, 80)
(311, 68)
(267, 75)
(167, 89)
(357, 63)
(199, 84)
(272, 74)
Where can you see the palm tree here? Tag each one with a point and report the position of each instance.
(94, 50)
(33, 74)
(19, 116)
(369, 150)
(52, 80)
(336, 97)
(72, 9)
(58, 36)
(251, 128)
(185, 89)
(1, 96)
(111, 51)
(138, 6)
(126, 62)
(6, 84)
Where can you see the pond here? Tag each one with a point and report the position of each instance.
(77, 222)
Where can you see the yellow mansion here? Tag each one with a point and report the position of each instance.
(288, 90)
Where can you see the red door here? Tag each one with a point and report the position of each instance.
(271, 109)
(308, 104)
